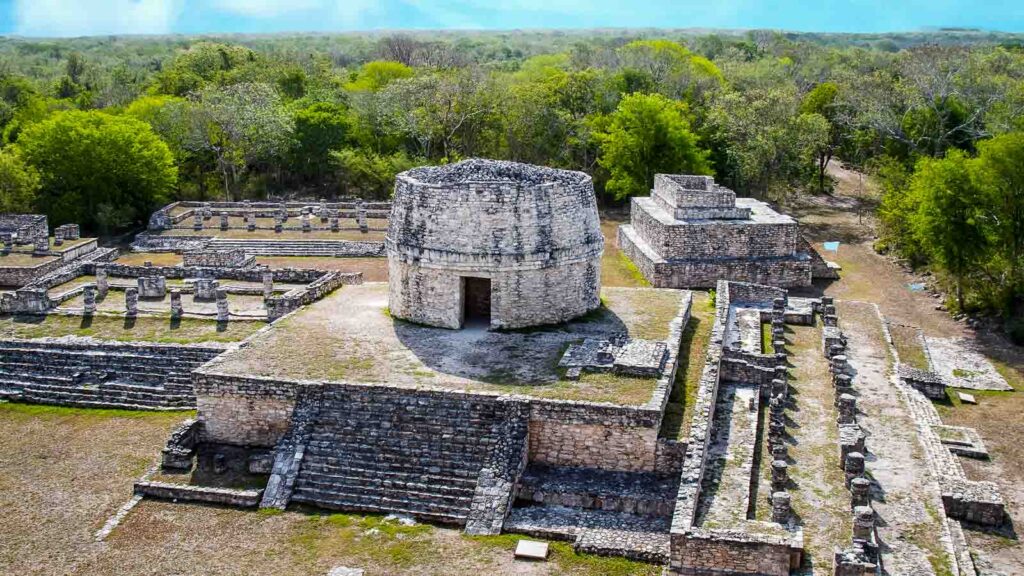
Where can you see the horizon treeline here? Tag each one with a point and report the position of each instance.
(102, 130)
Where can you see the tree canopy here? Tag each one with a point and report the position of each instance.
(99, 170)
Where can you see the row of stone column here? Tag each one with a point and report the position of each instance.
(779, 396)
(281, 217)
(155, 286)
(860, 558)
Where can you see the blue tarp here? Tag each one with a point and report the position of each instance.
(916, 287)
(832, 246)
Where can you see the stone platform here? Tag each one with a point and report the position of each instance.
(350, 336)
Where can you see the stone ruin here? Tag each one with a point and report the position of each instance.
(217, 259)
(24, 228)
(691, 232)
(513, 244)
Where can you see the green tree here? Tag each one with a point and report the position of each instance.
(319, 129)
(19, 183)
(375, 76)
(949, 218)
(1000, 174)
(648, 134)
(102, 171)
(369, 175)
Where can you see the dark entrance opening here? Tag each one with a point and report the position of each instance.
(477, 310)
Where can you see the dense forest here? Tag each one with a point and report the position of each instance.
(101, 130)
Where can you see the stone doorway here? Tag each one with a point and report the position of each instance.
(476, 301)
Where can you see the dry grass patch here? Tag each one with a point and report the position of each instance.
(143, 328)
(373, 269)
(157, 258)
(692, 352)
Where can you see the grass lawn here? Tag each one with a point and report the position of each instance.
(908, 345)
(157, 258)
(692, 349)
(64, 471)
(23, 260)
(144, 328)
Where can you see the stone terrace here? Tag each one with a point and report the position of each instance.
(350, 336)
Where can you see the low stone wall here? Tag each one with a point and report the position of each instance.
(145, 242)
(205, 494)
(69, 272)
(928, 383)
(217, 259)
(605, 436)
(279, 306)
(734, 552)
(729, 553)
(78, 251)
(23, 275)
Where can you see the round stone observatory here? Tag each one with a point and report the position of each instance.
(497, 243)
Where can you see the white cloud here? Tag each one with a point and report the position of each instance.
(269, 8)
(89, 17)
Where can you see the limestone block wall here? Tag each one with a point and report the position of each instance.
(22, 275)
(244, 411)
(791, 271)
(29, 227)
(591, 436)
(709, 554)
(713, 238)
(79, 250)
(434, 296)
(535, 232)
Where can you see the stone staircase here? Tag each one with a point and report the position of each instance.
(285, 247)
(409, 452)
(94, 374)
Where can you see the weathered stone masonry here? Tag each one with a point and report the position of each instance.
(692, 232)
(532, 232)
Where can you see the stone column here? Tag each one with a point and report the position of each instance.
(250, 222)
(223, 220)
(197, 221)
(222, 305)
(131, 301)
(268, 284)
(780, 475)
(41, 246)
(207, 211)
(863, 523)
(176, 309)
(282, 211)
(306, 225)
(780, 507)
(89, 297)
(323, 210)
(101, 280)
(847, 409)
(361, 218)
(854, 466)
(278, 224)
(334, 224)
(58, 237)
(860, 488)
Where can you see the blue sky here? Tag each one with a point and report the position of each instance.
(90, 17)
